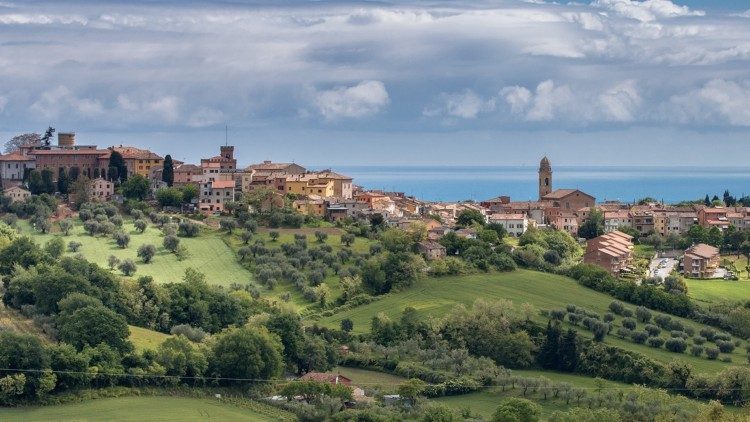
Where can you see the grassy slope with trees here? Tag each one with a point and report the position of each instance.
(137, 409)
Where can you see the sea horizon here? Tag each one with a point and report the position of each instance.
(624, 183)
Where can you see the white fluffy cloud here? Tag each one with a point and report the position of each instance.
(647, 10)
(621, 102)
(718, 101)
(364, 99)
(61, 100)
(465, 105)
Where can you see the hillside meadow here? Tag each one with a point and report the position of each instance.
(434, 297)
(207, 253)
(138, 409)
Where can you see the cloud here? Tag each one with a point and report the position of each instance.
(364, 99)
(61, 100)
(465, 105)
(648, 10)
(717, 101)
(545, 104)
(204, 117)
(621, 102)
(3, 102)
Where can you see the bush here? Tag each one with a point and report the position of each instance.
(642, 314)
(676, 345)
(639, 337)
(600, 329)
(188, 229)
(74, 246)
(570, 307)
(699, 340)
(655, 342)
(696, 350)
(171, 243)
(708, 333)
(127, 267)
(146, 252)
(616, 307)
(557, 314)
(652, 330)
(712, 353)
(663, 321)
(623, 332)
(627, 313)
(678, 334)
(193, 334)
(725, 346)
(609, 317)
(122, 239)
(629, 323)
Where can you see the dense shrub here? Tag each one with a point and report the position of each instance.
(642, 314)
(699, 340)
(616, 307)
(629, 323)
(676, 345)
(696, 350)
(725, 346)
(652, 330)
(639, 337)
(712, 353)
(655, 342)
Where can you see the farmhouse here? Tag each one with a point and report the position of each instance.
(101, 189)
(701, 261)
(432, 250)
(612, 251)
(16, 193)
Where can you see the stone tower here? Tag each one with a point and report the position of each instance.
(545, 177)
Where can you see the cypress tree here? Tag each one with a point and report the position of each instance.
(167, 174)
(63, 181)
(549, 352)
(116, 161)
(569, 351)
(48, 183)
(36, 186)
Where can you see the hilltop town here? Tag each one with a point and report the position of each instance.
(327, 195)
(300, 295)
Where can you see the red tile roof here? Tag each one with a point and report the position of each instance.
(222, 184)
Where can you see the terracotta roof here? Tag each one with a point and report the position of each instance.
(15, 156)
(562, 193)
(269, 166)
(507, 216)
(702, 250)
(323, 377)
(128, 152)
(616, 215)
(332, 175)
(102, 152)
(222, 184)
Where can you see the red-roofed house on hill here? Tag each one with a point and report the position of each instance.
(701, 261)
(334, 379)
(13, 167)
(612, 251)
(214, 194)
(714, 217)
(138, 160)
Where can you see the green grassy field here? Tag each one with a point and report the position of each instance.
(485, 402)
(138, 409)
(370, 379)
(144, 338)
(207, 253)
(437, 296)
(711, 291)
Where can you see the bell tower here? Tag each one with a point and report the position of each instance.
(545, 177)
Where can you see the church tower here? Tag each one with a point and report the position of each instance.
(545, 177)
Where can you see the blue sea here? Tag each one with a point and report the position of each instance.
(446, 183)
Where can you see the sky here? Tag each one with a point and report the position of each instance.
(326, 83)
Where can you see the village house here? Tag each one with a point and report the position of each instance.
(342, 185)
(214, 194)
(138, 160)
(616, 219)
(612, 251)
(101, 190)
(431, 250)
(534, 210)
(701, 261)
(268, 167)
(16, 193)
(13, 168)
(643, 219)
(514, 224)
(714, 217)
(184, 174)
(313, 206)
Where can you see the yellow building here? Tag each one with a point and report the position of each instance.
(315, 206)
(139, 161)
